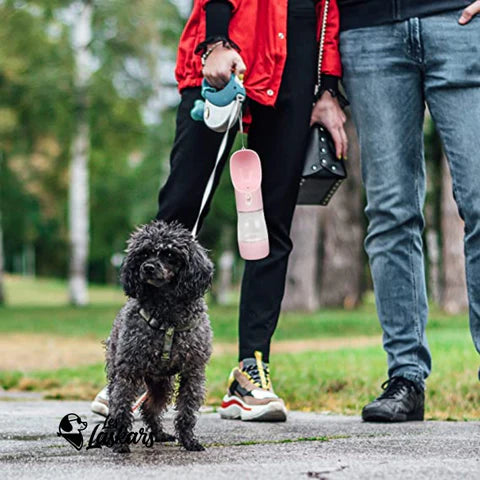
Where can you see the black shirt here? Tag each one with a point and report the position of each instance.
(368, 13)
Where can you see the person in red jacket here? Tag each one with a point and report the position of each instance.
(274, 46)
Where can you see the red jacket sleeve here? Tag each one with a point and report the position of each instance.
(331, 64)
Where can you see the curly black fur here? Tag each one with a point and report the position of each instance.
(166, 272)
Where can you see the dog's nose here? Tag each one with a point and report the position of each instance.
(148, 267)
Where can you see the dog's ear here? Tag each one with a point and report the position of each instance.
(196, 277)
(128, 278)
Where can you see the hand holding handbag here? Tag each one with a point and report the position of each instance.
(323, 172)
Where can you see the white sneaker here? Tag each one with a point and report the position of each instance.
(100, 404)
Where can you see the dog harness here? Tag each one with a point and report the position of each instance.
(169, 334)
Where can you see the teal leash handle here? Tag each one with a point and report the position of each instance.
(219, 98)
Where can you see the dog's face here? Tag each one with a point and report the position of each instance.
(160, 264)
(165, 259)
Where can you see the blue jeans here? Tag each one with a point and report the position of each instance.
(390, 72)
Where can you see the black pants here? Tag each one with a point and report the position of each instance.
(279, 136)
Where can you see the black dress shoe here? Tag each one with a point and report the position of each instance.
(402, 401)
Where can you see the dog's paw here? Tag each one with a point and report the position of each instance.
(121, 448)
(194, 446)
(165, 437)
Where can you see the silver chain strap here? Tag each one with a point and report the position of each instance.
(321, 45)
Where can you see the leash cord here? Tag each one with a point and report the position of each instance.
(221, 151)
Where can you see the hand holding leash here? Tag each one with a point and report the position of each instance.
(220, 63)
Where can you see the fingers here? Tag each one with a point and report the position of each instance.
(469, 13)
(344, 137)
(337, 140)
(217, 78)
(220, 65)
(239, 67)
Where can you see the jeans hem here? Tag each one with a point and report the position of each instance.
(416, 377)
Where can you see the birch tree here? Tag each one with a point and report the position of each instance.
(2, 290)
(301, 289)
(2, 263)
(79, 192)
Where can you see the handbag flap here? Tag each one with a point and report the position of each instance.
(320, 154)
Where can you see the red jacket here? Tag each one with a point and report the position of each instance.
(259, 28)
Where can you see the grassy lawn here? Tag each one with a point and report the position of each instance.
(339, 380)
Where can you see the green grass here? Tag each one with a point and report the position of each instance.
(40, 306)
(36, 292)
(339, 380)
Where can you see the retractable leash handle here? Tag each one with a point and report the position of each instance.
(220, 107)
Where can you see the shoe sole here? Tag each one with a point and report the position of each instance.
(234, 409)
(379, 416)
(99, 408)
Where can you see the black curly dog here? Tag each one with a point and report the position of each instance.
(163, 330)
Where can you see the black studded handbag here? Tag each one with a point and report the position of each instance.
(323, 172)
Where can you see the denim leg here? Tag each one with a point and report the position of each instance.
(452, 91)
(383, 81)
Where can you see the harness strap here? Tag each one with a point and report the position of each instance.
(167, 346)
(169, 334)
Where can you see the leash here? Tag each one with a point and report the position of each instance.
(221, 151)
(170, 330)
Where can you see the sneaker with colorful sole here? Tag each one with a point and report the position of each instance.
(250, 396)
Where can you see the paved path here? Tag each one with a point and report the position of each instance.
(342, 448)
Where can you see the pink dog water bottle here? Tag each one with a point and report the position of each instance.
(246, 175)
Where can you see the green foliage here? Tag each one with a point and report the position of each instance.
(37, 109)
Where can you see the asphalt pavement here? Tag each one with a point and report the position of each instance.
(308, 445)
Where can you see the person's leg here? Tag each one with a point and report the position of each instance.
(452, 90)
(279, 136)
(191, 163)
(383, 80)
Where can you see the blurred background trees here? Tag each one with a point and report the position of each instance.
(87, 110)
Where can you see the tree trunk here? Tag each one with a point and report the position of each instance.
(433, 257)
(343, 261)
(433, 249)
(79, 192)
(301, 292)
(327, 264)
(454, 293)
(2, 290)
(2, 259)
(224, 283)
